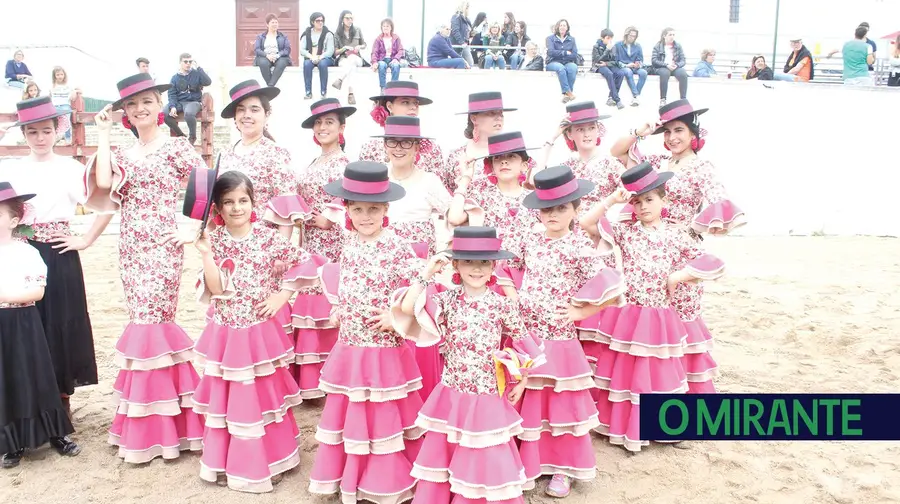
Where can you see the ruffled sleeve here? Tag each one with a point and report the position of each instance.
(426, 327)
(286, 209)
(305, 274)
(105, 201)
(527, 351)
(606, 288)
(720, 212)
(610, 235)
(226, 274)
(698, 263)
(508, 271)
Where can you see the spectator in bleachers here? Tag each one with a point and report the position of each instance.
(31, 89)
(476, 37)
(705, 66)
(382, 59)
(460, 32)
(562, 54)
(317, 49)
(533, 60)
(61, 95)
(349, 44)
(871, 43)
(857, 56)
(186, 95)
(17, 71)
(509, 25)
(631, 57)
(518, 39)
(143, 65)
(604, 61)
(759, 70)
(494, 58)
(894, 76)
(441, 54)
(799, 66)
(668, 61)
(273, 52)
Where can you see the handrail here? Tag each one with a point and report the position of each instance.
(81, 151)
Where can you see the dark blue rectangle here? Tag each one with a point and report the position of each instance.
(770, 417)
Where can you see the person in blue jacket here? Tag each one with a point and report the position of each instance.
(441, 54)
(460, 31)
(273, 52)
(562, 57)
(186, 94)
(17, 71)
(631, 59)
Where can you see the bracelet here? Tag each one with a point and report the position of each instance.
(420, 278)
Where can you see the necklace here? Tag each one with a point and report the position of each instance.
(251, 143)
(145, 144)
(677, 161)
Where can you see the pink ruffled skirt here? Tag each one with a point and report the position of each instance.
(153, 394)
(367, 434)
(558, 414)
(246, 394)
(314, 338)
(635, 350)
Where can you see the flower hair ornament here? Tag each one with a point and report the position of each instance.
(379, 114)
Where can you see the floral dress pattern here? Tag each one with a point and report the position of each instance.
(505, 213)
(268, 167)
(311, 183)
(605, 172)
(431, 159)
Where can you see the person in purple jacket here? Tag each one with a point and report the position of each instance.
(441, 54)
(631, 56)
(382, 58)
(562, 55)
(273, 52)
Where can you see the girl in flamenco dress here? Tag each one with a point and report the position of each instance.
(322, 235)
(247, 390)
(470, 452)
(566, 280)
(31, 411)
(401, 98)
(698, 204)
(154, 387)
(367, 434)
(640, 348)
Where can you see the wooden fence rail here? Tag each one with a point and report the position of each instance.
(79, 149)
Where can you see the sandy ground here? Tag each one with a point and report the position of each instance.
(796, 314)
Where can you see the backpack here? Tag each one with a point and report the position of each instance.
(413, 58)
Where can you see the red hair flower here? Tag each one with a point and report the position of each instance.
(380, 114)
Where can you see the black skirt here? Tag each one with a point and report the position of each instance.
(64, 315)
(31, 411)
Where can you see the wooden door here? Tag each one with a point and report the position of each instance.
(251, 21)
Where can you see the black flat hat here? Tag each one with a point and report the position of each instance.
(402, 127)
(477, 243)
(402, 89)
(198, 193)
(366, 181)
(506, 143)
(643, 178)
(555, 186)
(245, 90)
(678, 110)
(326, 106)
(584, 112)
(485, 102)
(136, 84)
(7, 193)
(36, 110)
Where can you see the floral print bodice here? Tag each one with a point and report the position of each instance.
(555, 269)
(472, 329)
(693, 187)
(254, 257)
(431, 159)
(648, 257)
(268, 166)
(324, 242)
(370, 272)
(503, 212)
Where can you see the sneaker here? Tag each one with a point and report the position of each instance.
(324, 95)
(610, 102)
(12, 459)
(635, 102)
(662, 103)
(308, 96)
(337, 84)
(620, 105)
(560, 486)
(65, 446)
(351, 99)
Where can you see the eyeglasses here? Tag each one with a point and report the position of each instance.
(187, 61)
(320, 20)
(406, 144)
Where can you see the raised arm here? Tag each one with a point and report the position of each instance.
(103, 170)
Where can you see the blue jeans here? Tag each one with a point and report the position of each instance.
(516, 60)
(628, 73)
(613, 80)
(15, 83)
(448, 63)
(491, 61)
(566, 74)
(382, 71)
(323, 65)
(785, 77)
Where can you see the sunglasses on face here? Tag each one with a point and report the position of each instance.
(187, 61)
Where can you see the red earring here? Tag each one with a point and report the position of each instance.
(697, 144)
(522, 178)
(125, 121)
(418, 157)
(694, 144)
(316, 139)
(664, 213)
(599, 139)
(341, 139)
(570, 144)
(492, 179)
(385, 222)
(348, 224)
(666, 145)
(492, 281)
(219, 220)
(456, 279)
(253, 217)
(160, 119)
(633, 216)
